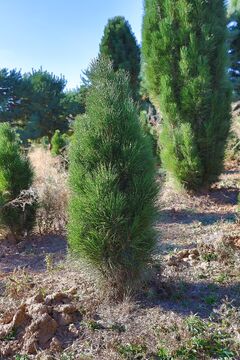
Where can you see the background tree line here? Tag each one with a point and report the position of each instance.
(36, 102)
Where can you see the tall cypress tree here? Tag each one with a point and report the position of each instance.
(185, 53)
(120, 45)
(112, 180)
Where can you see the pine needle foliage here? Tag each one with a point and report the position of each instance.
(15, 175)
(119, 44)
(185, 54)
(112, 181)
(234, 46)
(57, 143)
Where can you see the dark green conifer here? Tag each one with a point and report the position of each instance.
(16, 174)
(112, 182)
(119, 44)
(184, 47)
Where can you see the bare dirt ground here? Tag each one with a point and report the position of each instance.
(158, 323)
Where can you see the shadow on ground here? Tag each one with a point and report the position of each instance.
(188, 217)
(194, 298)
(224, 196)
(31, 253)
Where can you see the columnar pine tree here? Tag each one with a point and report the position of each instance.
(185, 54)
(15, 175)
(112, 182)
(120, 45)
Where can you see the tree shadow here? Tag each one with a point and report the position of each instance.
(187, 298)
(231, 172)
(188, 217)
(31, 254)
(224, 196)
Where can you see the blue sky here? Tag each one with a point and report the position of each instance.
(62, 36)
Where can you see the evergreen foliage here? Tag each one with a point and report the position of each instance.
(185, 55)
(119, 44)
(46, 104)
(57, 143)
(15, 175)
(74, 101)
(35, 102)
(112, 182)
(234, 46)
(14, 92)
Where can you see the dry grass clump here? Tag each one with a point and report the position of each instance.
(18, 284)
(51, 185)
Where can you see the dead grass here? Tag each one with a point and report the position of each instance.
(51, 185)
(147, 328)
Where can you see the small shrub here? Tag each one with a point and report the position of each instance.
(210, 299)
(209, 257)
(209, 346)
(163, 354)
(16, 175)
(94, 325)
(67, 356)
(132, 351)
(11, 335)
(112, 181)
(195, 325)
(118, 328)
(57, 143)
(21, 357)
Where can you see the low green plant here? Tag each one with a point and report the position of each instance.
(221, 278)
(21, 357)
(132, 351)
(67, 356)
(211, 346)
(94, 325)
(210, 299)
(118, 327)
(57, 143)
(195, 325)
(206, 340)
(209, 256)
(11, 335)
(163, 354)
(17, 212)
